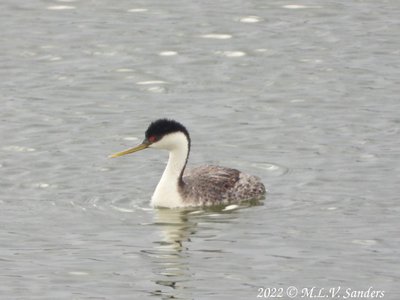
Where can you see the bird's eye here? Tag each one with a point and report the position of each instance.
(152, 138)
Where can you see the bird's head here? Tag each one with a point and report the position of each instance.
(162, 134)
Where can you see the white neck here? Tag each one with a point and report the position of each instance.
(167, 193)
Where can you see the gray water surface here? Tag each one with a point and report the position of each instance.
(303, 94)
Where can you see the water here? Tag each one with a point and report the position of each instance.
(303, 94)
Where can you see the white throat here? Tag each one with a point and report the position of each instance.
(167, 193)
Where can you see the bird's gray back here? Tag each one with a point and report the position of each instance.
(211, 185)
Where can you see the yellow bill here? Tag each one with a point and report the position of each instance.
(131, 150)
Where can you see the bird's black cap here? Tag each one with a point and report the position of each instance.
(162, 127)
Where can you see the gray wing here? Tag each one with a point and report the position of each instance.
(211, 185)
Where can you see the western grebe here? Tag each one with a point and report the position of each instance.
(202, 186)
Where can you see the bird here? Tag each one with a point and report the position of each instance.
(207, 185)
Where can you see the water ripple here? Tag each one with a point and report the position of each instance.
(217, 36)
(61, 7)
(273, 168)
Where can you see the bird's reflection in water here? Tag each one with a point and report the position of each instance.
(170, 255)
